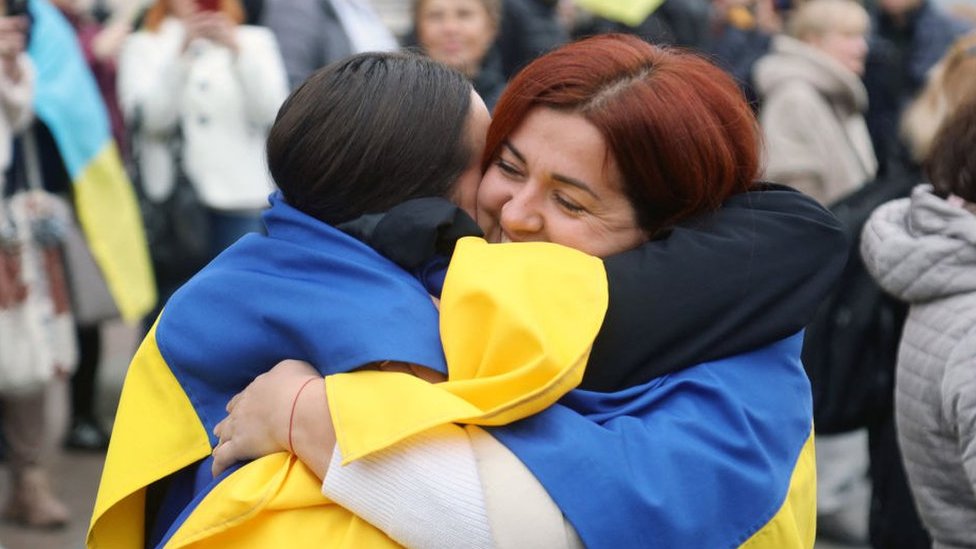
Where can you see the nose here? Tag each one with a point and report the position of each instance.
(450, 25)
(521, 217)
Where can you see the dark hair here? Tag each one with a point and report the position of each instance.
(679, 127)
(951, 165)
(368, 132)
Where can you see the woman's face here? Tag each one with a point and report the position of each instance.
(554, 181)
(849, 48)
(457, 33)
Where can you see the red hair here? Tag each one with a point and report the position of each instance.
(161, 9)
(679, 128)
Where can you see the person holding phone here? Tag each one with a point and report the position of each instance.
(31, 500)
(199, 90)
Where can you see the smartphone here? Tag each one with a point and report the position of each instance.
(16, 7)
(207, 5)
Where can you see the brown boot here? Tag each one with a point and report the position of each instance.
(32, 502)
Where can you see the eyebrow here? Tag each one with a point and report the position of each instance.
(571, 181)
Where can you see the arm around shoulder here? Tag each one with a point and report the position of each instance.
(751, 273)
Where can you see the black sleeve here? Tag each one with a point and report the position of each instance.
(744, 276)
(415, 231)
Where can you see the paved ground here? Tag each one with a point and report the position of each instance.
(77, 474)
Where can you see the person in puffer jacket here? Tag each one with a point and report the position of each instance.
(922, 249)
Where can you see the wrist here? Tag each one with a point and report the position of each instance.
(311, 436)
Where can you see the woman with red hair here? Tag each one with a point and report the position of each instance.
(692, 424)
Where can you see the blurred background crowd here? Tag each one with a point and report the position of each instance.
(163, 108)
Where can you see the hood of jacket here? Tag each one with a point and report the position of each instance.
(921, 248)
(791, 60)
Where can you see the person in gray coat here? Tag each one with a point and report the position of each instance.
(922, 249)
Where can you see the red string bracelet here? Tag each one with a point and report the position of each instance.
(294, 404)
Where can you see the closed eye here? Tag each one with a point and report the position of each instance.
(569, 205)
(508, 168)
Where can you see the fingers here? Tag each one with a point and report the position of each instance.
(233, 402)
(223, 458)
(11, 44)
(224, 453)
(17, 24)
(220, 428)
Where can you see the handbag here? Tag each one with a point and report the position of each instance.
(91, 301)
(177, 227)
(37, 331)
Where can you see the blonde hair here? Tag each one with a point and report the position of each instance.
(819, 17)
(950, 83)
(161, 9)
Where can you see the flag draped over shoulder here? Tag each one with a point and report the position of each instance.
(67, 100)
(716, 455)
(309, 291)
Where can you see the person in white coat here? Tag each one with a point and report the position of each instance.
(195, 74)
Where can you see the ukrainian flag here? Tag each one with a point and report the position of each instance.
(517, 340)
(716, 455)
(67, 100)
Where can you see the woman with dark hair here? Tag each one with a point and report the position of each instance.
(343, 146)
(593, 146)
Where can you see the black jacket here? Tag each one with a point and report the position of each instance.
(717, 285)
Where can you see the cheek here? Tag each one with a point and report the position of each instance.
(466, 194)
(491, 197)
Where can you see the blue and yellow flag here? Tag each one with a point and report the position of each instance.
(706, 457)
(67, 100)
(716, 455)
(309, 291)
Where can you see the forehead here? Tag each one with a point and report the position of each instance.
(450, 4)
(565, 143)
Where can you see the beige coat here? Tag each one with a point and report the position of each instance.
(812, 118)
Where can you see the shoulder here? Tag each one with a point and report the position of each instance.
(793, 97)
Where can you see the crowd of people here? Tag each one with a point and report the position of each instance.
(666, 140)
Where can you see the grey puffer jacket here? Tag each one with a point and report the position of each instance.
(923, 250)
